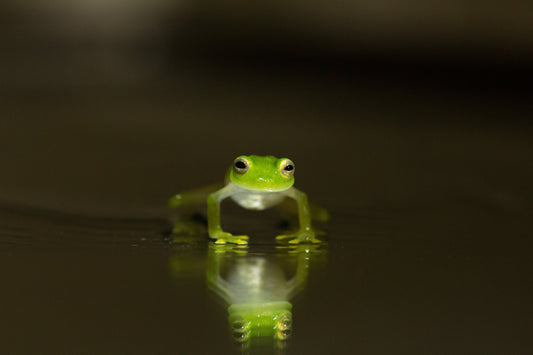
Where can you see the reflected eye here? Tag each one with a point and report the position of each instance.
(283, 334)
(239, 324)
(284, 322)
(241, 337)
(241, 165)
(287, 168)
(239, 327)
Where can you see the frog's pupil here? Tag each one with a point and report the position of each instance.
(289, 167)
(240, 165)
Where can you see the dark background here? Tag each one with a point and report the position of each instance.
(409, 121)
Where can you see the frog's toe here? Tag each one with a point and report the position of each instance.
(312, 240)
(220, 241)
(239, 239)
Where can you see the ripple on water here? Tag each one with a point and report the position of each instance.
(27, 227)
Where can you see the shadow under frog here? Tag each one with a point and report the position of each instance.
(258, 288)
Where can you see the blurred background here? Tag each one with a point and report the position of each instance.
(81, 43)
(410, 121)
(103, 98)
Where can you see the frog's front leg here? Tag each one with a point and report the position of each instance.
(213, 218)
(305, 233)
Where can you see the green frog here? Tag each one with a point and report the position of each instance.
(257, 183)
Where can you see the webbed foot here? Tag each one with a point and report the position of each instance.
(302, 236)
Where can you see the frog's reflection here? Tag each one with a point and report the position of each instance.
(257, 287)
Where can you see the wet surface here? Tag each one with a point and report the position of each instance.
(428, 249)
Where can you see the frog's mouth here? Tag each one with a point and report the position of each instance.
(262, 186)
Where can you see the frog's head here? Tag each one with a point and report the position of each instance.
(272, 319)
(262, 173)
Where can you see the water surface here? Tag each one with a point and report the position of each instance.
(428, 249)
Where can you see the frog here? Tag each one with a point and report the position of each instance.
(256, 288)
(256, 183)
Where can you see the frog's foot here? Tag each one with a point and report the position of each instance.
(224, 237)
(302, 236)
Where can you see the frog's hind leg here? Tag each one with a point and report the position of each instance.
(190, 222)
(289, 213)
(318, 213)
(193, 197)
(290, 221)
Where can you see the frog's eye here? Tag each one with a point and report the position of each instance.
(240, 326)
(287, 168)
(241, 165)
(284, 322)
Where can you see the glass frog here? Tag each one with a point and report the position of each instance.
(257, 183)
(257, 288)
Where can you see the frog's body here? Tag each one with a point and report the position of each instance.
(256, 183)
(256, 200)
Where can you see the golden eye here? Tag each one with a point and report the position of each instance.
(284, 322)
(241, 165)
(287, 168)
(283, 334)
